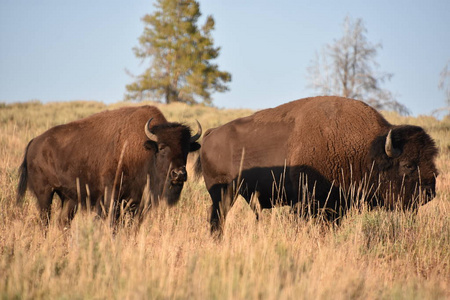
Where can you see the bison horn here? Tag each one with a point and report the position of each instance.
(198, 134)
(389, 148)
(151, 136)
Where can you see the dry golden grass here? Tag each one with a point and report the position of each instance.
(372, 255)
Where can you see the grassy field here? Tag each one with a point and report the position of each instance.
(372, 255)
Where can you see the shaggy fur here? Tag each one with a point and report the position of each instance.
(105, 157)
(323, 147)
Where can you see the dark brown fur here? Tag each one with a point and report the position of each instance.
(329, 144)
(107, 156)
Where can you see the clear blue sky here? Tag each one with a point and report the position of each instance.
(54, 50)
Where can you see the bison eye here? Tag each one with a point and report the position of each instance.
(150, 145)
(409, 166)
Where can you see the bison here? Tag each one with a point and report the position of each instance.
(108, 158)
(330, 149)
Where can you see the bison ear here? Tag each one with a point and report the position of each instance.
(194, 147)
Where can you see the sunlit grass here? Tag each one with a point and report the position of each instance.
(372, 254)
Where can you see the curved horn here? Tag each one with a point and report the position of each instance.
(389, 148)
(198, 134)
(151, 136)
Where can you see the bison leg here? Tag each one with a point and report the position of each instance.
(106, 208)
(101, 208)
(214, 217)
(45, 198)
(222, 198)
(67, 212)
(255, 205)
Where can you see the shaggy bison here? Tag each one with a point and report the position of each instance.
(108, 158)
(328, 149)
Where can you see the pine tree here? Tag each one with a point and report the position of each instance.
(180, 55)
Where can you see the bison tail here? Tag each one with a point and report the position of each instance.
(198, 167)
(23, 179)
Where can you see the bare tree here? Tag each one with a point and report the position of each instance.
(348, 68)
(444, 82)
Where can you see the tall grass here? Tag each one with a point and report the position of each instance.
(371, 255)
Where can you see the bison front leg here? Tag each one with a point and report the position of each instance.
(255, 205)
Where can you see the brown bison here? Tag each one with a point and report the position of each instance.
(330, 149)
(108, 158)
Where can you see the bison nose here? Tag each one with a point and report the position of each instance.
(178, 175)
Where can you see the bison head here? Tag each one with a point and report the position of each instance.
(404, 158)
(170, 143)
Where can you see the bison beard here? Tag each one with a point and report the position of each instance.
(108, 159)
(330, 150)
(173, 192)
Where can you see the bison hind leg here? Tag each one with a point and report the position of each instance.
(222, 201)
(68, 210)
(45, 199)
